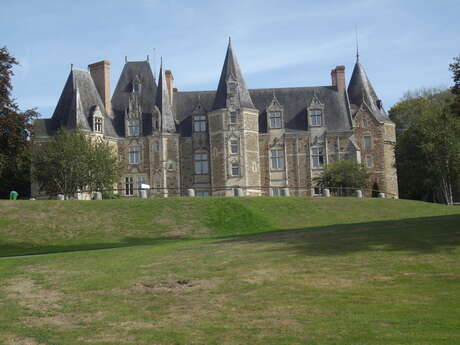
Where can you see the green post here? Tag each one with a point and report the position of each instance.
(14, 195)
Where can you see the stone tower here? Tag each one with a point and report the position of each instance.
(374, 133)
(233, 133)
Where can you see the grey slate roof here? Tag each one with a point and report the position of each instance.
(164, 104)
(360, 90)
(120, 98)
(231, 69)
(294, 101)
(77, 103)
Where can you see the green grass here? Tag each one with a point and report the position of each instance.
(229, 271)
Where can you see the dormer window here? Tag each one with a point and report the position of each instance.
(231, 85)
(199, 123)
(316, 117)
(275, 119)
(133, 128)
(137, 85)
(98, 124)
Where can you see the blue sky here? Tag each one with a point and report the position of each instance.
(404, 45)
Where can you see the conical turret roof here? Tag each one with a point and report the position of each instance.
(231, 71)
(361, 90)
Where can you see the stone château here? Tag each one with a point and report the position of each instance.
(232, 141)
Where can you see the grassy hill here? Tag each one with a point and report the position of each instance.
(229, 271)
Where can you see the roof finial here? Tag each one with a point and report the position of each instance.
(148, 57)
(126, 59)
(161, 61)
(71, 66)
(229, 40)
(357, 44)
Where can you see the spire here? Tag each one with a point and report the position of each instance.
(360, 89)
(163, 103)
(357, 45)
(231, 72)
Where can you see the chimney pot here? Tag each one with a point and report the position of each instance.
(340, 78)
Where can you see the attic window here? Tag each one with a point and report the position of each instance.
(133, 128)
(98, 124)
(199, 123)
(316, 118)
(231, 87)
(275, 119)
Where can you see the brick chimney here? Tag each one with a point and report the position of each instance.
(169, 83)
(100, 72)
(338, 78)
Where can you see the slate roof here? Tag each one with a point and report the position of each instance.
(231, 70)
(360, 90)
(79, 99)
(294, 101)
(120, 98)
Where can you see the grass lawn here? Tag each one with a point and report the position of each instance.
(229, 271)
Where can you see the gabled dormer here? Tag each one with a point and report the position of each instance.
(199, 119)
(97, 120)
(275, 114)
(315, 113)
(133, 116)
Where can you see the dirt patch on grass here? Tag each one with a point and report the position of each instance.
(175, 286)
(14, 340)
(31, 296)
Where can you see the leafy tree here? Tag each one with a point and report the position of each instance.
(15, 128)
(428, 148)
(344, 175)
(70, 162)
(455, 69)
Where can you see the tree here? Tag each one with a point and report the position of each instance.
(70, 162)
(344, 175)
(455, 69)
(15, 128)
(428, 147)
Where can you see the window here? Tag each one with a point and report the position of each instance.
(235, 169)
(316, 117)
(156, 146)
(275, 119)
(155, 123)
(276, 191)
(171, 165)
(98, 124)
(367, 142)
(231, 87)
(233, 117)
(277, 159)
(141, 180)
(133, 128)
(201, 163)
(199, 123)
(134, 155)
(234, 146)
(369, 161)
(129, 186)
(202, 193)
(137, 87)
(317, 157)
(365, 123)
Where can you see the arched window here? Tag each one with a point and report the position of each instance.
(201, 163)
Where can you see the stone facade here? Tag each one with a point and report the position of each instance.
(232, 141)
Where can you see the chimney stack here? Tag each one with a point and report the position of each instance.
(169, 83)
(338, 78)
(100, 72)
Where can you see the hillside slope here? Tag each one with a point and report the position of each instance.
(229, 271)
